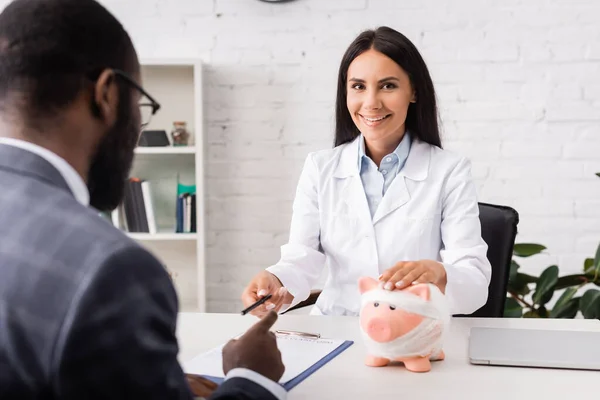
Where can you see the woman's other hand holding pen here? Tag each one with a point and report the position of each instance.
(260, 286)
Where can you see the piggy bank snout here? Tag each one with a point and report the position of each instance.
(379, 330)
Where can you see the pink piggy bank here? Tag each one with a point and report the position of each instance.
(403, 325)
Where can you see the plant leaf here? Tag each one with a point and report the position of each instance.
(514, 268)
(520, 289)
(523, 290)
(531, 314)
(590, 304)
(588, 263)
(526, 278)
(569, 310)
(547, 296)
(597, 262)
(590, 272)
(520, 285)
(512, 308)
(562, 301)
(527, 249)
(570, 280)
(597, 173)
(545, 285)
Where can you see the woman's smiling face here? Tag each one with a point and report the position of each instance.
(379, 92)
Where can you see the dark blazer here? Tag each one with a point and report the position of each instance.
(85, 312)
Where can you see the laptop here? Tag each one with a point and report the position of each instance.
(535, 348)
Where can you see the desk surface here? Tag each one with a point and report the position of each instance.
(346, 377)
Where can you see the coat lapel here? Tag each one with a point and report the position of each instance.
(352, 190)
(26, 163)
(416, 169)
(354, 195)
(396, 196)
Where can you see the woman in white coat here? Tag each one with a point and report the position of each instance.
(386, 201)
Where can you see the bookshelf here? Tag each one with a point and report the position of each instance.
(168, 150)
(162, 236)
(177, 86)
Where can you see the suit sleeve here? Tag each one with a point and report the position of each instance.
(238, 388)
(464, 253)
(302, 261)
(118, 339)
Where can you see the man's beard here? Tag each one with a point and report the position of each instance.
(110, 167)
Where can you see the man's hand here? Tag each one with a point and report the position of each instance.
(403, 274)
(256, 350)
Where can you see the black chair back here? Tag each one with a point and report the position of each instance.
(498, 229)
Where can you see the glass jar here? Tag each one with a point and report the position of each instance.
(180, 134)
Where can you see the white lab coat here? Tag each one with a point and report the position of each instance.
(430, 211)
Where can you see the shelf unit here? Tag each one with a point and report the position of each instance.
(166, 150)
(162, 236)
(177, 85)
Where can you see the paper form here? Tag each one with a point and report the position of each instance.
(297, 353)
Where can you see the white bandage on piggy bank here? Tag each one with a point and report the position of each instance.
(406, 325)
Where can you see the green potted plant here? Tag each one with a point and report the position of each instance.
(542, 289)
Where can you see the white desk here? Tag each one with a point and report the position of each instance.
(346, 377)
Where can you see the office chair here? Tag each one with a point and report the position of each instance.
(498, 230)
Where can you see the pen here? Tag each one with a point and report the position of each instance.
(258, 303)
(296, 333)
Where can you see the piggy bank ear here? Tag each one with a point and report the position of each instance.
(366, 283)
(420, 289)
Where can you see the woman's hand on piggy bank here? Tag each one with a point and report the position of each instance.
(262, 284)
(404, 273)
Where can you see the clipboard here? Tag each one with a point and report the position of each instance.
(313, 368)
(209, 364)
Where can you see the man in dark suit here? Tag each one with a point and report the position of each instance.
(85, 312)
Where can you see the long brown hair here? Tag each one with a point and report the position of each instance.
(422, 116)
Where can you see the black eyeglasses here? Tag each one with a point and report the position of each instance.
(148, 106)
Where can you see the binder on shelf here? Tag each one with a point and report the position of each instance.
(149, 207)
(185, 209)
(187, 213)
(115, 216)
(137, 207)
(179, 215)
(193, 216)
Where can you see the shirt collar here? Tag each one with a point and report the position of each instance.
(401, 151)
(73, 179)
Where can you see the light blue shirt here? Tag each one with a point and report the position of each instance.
(375, 180)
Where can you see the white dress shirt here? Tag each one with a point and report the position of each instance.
(81, 193)
(377, 180)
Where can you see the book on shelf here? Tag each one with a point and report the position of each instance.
(186, 213)
(136, 212)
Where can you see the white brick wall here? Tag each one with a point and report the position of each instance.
(519, 89)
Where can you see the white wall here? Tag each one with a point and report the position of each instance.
(519, 89)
